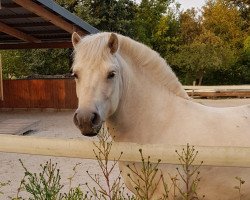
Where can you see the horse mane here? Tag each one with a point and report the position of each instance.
(140, 54)
(149, 59)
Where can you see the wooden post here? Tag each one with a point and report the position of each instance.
(1, 79)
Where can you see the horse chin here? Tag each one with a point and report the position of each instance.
(93, 132)
(90, 134)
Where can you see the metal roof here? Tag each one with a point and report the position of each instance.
(38, 24)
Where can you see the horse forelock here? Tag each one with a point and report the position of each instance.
(92, 48)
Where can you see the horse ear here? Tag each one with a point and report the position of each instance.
(75, 39)
(113, 43)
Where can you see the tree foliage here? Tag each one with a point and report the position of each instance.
(199, 45)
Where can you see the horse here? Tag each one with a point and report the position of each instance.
(130, 88)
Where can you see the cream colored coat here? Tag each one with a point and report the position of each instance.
(148, 105)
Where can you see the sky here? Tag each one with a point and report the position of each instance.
(185, 4)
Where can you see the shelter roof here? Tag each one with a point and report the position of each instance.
(38, 24)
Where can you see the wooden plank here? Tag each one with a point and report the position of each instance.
(18, 16)
(40, 11)
(71, 100)
(1, 79)
(217, 87)
(220, 93)
(42, 45)
(16, 94)
(18, 34)
(17, 126)
(38, 94)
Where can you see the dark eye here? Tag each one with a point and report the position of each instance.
(74, 75)
(111, 75)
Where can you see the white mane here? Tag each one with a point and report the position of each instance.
(151, 60)
(96, 46)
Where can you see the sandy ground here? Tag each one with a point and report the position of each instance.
(60, 125)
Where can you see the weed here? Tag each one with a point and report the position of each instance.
(188, 174)
(239, 186)
(3, 184)
(147, 179)
(114, 190)
(46, 184)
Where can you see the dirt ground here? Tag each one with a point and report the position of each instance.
(59, 124)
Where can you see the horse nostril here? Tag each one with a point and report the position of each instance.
(95, 120)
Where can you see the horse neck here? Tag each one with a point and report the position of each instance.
(149, 61)
(143, 104)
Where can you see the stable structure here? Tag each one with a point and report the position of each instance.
(26, 24)
(38, 24)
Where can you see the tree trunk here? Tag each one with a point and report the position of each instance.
(199, 78)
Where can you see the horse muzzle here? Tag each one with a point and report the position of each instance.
(89, 123)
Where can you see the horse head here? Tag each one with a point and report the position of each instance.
(98, 78)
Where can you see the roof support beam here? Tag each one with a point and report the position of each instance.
(18, 34)
(42, 12)
(44, 45)
(18, 16)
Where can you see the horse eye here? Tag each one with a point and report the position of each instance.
(111, 74)
(74, 75)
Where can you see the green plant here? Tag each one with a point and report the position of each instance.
(147, 179)
(114, 190)
(45, 185)
(239, 186)
(3, 184)
(74, 193)
(189, 174)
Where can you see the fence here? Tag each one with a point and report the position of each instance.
(40, 93)
(241, 91)
(212, 156)
(1, 79)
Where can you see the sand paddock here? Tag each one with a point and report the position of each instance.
(59, 124)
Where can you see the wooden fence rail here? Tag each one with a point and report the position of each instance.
(218, 91)
(212, 156)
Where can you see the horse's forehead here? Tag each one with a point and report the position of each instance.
(91, 65)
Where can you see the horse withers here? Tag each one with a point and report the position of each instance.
(132, 89)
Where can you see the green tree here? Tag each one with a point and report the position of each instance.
(109, 15)
(22, 63)
(206, 53)
(190, 26)
(244, 7)
(166, 37)
(49, 61)
(224, 20)
(246, 47)
(149, 14)
(14, 64)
